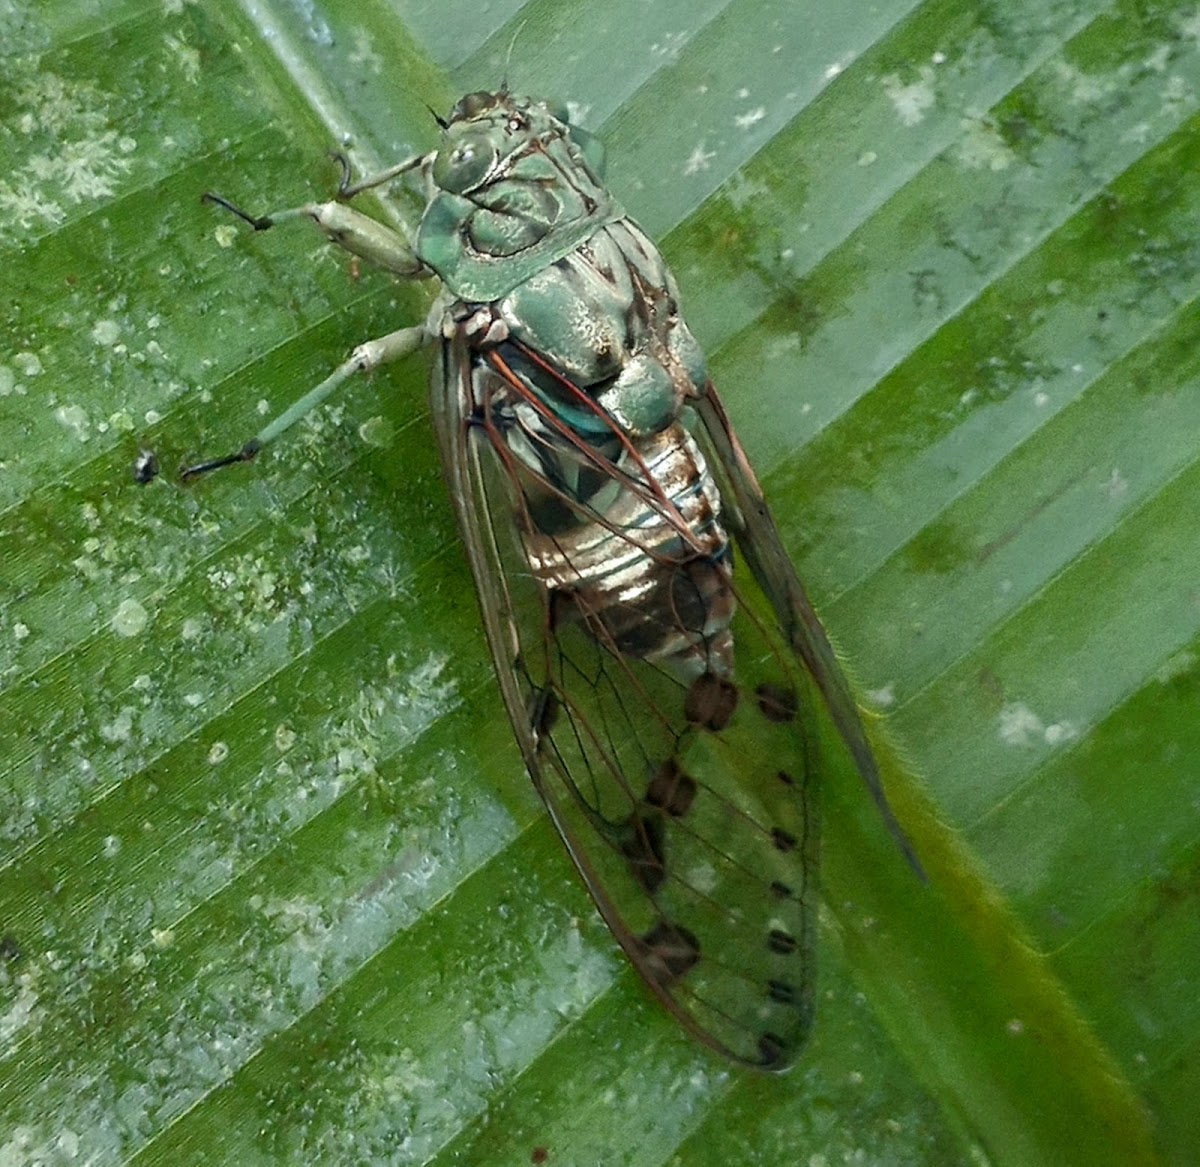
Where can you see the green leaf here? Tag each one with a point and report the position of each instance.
(273, 884)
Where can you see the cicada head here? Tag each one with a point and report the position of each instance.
(515, 188)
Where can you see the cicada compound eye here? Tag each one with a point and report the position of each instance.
(464, 162)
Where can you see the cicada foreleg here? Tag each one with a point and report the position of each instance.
(362, 236)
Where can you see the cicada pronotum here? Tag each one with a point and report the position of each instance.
(665, 692)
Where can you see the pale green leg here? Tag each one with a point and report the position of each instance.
(362, 236)
(367, 356)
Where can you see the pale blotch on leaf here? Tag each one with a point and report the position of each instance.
(376, 431)
(130, 619)
(105, 332)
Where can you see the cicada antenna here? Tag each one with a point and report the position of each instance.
(512, 44)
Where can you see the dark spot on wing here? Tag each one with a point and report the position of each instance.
(671, 790)
(776, 702)
(782, 992)
(780, 941)
(771, 1050)
(711, 701)
(669, 952)
(783, 840)
(781, 890)
(785, 778)
(643, 844)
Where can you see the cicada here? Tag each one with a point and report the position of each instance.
(664, 671)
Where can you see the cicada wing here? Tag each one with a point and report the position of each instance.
(758, 539)
(689, 807)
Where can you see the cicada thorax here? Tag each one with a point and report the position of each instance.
(667, 719)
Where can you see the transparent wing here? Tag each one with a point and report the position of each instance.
(751, 522)
(688, 804)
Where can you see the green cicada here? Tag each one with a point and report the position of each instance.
(666, 696)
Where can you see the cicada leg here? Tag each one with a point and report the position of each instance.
(360, 235)
(365, 357)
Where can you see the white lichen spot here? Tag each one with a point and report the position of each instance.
(111, 847)
(670, 46)
(20, 631)
(186, 57)
(120, 729)
(868, 158)
(1041, 399)
(913, 100)
(162, 937)
(376, 431)
(1019, 725)
(1156, 62)
(130, 618)
(191, 629)
(838, 67)
(1118, 485)
(8, 382)
(744, 121)
(855, 1078)
(193, 700)
(224, 234)
(121, 421)
(1015, 1027)
(363, 53)
(883, 698)
(22, 1010)
(217, 753)
(982, 148)
(29, 364)
(23, 207)
(75, 418)
(285, 738)
(1059, 733)
(1086, 89)
(698, 160)
(1189, 25)
(938, 58)
(1178, 97)
(106, 332)
(1138, 134)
